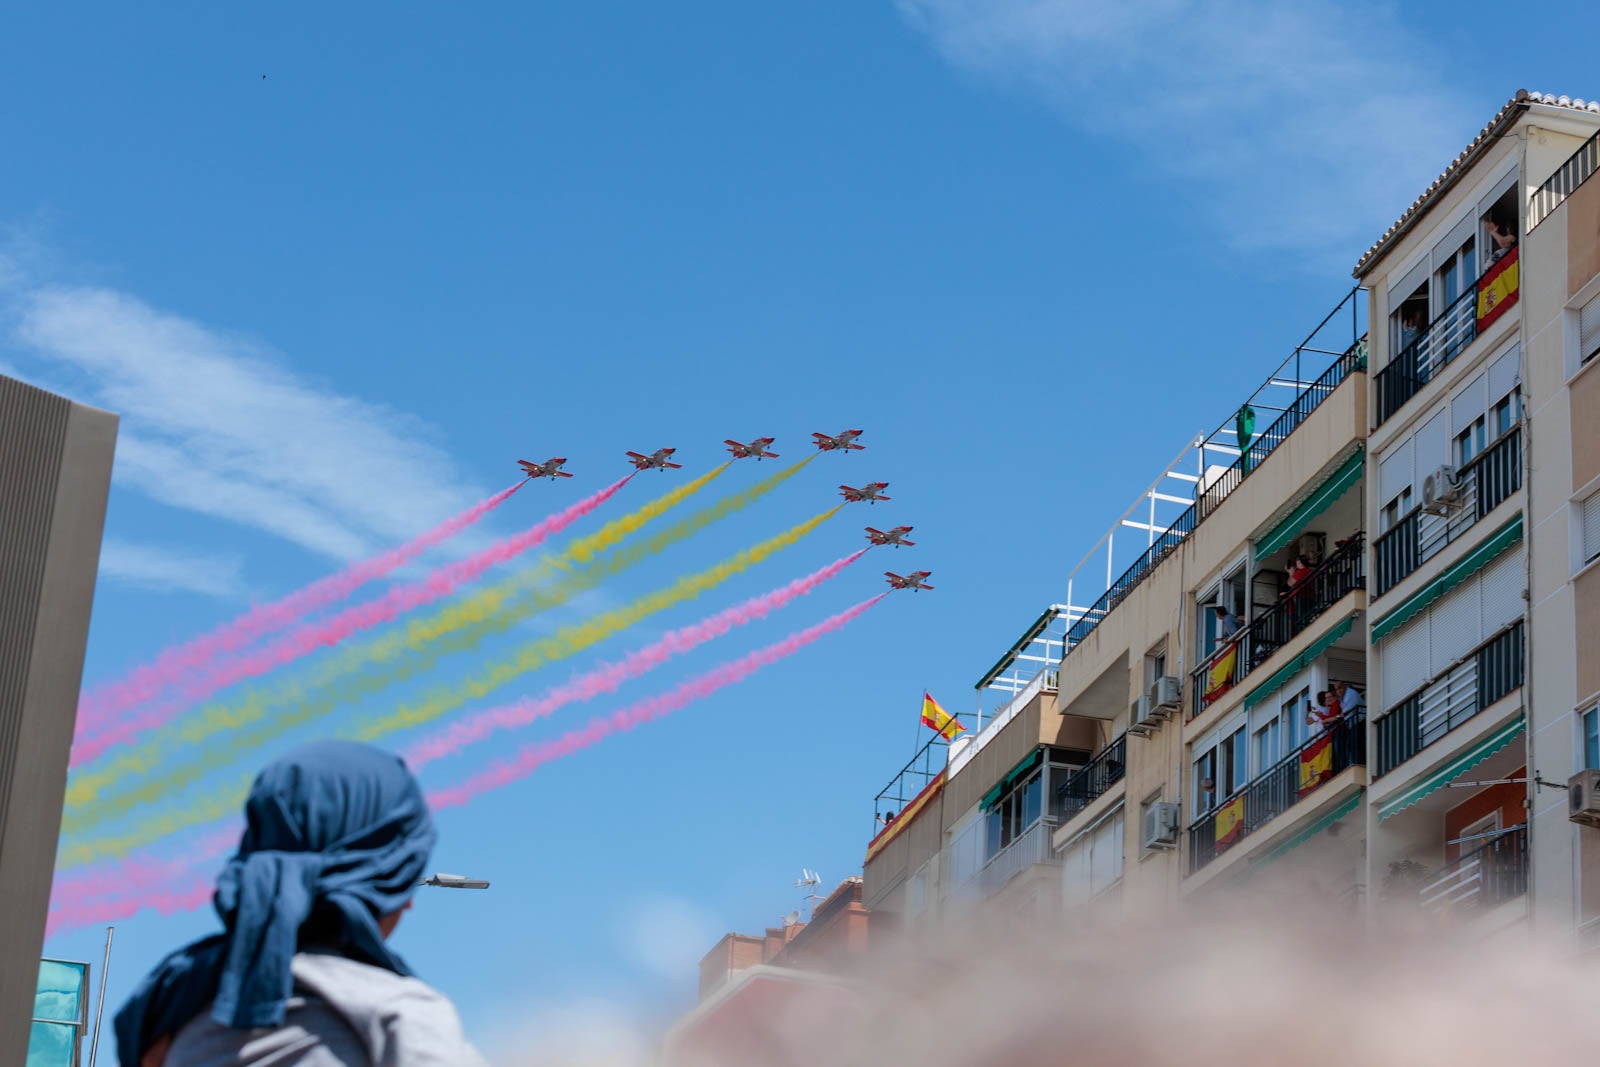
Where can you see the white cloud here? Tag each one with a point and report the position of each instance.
(214, 424)
(666, 936)
(1308, 126)
(165, 570)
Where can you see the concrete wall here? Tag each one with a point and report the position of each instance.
(55, 472)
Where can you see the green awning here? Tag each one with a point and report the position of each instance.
(1298, 664)
(1454, 769)
(1337, 484)
(1016, 772)
(1460, 571)
(1316, 827)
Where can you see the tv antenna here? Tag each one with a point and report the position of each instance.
(809, 880)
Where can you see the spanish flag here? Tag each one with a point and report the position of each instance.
(1316, 763)
(1230, 822)
(936, 718)
(1497, 289)
(1220, 678)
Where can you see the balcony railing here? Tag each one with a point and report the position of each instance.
(1353, 359)
(1027, 849)
(1493, 873)
(1482, 677)
(1485, 482)
(1092, 780)
(1280, 787)
(1578, 168)
(1415, 364)
(1302, 604)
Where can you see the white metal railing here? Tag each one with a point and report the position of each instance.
(1460, 885)
(1028, 849)
(1449, 701)
(1047, 678)
(1435, 531)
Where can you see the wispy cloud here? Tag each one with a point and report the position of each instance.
(216, 424)
(1308, 125)
(167, 571)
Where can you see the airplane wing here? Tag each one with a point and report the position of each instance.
(562, 474)
(635, 455)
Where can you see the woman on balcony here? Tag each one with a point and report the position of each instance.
(1299, 594)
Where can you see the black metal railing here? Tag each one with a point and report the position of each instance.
(1092, 780)
(1353, 359)
(1493, 873)
(1340, 574)
(1479, 679)
(1280, 787)
(1578, 168)
(1485, 483)
(1414, 365)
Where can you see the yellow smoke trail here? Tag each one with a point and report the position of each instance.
(85, 787)
(570, 640)
(567, 641)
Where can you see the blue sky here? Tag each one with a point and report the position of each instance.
(1032, 246)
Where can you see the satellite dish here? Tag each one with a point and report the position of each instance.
(791, 918)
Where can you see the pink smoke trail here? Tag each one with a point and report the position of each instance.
(135, 874)
(532, 757)
(196, 894)
(173, 663)
(608, 677)
(307, 639)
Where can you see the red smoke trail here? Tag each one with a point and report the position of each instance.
(532, 757)
(93, 913)
(134, 875)
(173, 663)
(608, 677)
(310, 638)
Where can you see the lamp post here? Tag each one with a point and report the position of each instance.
(455, 881)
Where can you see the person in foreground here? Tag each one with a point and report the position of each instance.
(337, 837)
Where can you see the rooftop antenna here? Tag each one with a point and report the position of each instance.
(809, 879)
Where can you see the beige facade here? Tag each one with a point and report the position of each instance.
(55, 472)
(1424, 528)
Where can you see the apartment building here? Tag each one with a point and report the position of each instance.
(1163, 733)
(1469, 414)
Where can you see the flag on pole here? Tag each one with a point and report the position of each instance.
(936, 718)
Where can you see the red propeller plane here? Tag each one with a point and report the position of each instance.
(550, 468)
(843, 443)
(913, 581)
(871, 494)
(895, 537)
(657, 459)
(756, 448)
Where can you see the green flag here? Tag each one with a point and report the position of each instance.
(1244, 426)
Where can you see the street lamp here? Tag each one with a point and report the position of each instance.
(455, 881)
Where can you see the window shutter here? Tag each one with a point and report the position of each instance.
(1591, 528)
(1503, 581)
(1405, 660)
(1455, 625)
(1589, 331)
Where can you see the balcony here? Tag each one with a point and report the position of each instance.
(1482, 677)
(1578, 168)
(1340, 574)
(1491, 874)
(1028, 849)
(1093, 780)
(1486, 483)
(1414, 366)
(1277, 789)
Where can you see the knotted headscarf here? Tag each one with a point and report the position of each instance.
(336, 828)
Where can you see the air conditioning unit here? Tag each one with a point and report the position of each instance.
(1583, 798)
(1144, 716)
(1441, 490)
(1166, 694)
(1160, 827)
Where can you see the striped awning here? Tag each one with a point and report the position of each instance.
(1321, 498)
(1298, 664)
(1316, 827)
(1028, 764)
(1454, 769)
(1458, 572)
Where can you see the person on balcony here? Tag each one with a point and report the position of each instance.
(1298, 593)
(1326, 713)
(1351, 702)
(1227, 625)
(1410, 325)
(1502, 238)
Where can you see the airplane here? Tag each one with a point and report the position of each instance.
(871, 494)
(844, 442)
(550, 468)
(895, 537)
(756, 448)
(912, 581)
(657, 459)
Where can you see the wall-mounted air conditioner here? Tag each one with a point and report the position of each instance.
(1583, 798)
(1441, 490)
(1145, 716)
(1166, 694)
(1160, 827)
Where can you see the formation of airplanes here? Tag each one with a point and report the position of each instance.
(872, 492)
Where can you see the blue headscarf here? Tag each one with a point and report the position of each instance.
(335, 826)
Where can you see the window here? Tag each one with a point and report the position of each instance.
(1590, 535)
(1589, 331)
(1269, 745)
(1092, 862)
(1589, 726)
(1499, 227)
(1457, 275)
(1018, 808)
(1407, 323)
(1470, 441)
(1228, 593)
(1221, 769)
(1395, 510)
(1155, 666)
(1293, 716)
(1503, 418)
